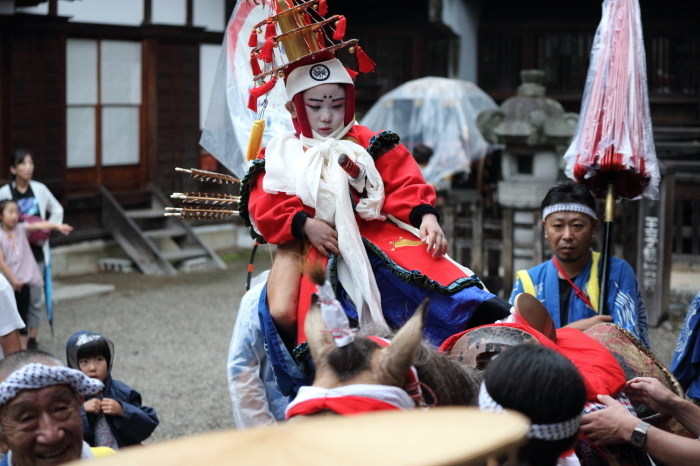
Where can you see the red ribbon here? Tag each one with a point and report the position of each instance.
(580, 294)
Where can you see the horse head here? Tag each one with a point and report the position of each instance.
(364, 360)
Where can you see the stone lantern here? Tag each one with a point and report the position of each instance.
(535, 131)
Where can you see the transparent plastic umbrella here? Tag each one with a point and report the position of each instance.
(439, 113)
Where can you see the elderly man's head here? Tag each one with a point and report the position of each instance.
(40, 403)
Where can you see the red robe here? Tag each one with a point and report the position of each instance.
(404, 189)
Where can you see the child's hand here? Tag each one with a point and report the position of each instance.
(322, 236)
(16, 284)
(431, 233)
(112, 407)
(64, 228)
(93, 406)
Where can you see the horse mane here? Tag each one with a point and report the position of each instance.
(450, 383)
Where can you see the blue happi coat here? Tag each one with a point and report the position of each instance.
(685, 364)
(624, 298)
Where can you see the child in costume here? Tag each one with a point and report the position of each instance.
(369, 224)
(115, 417)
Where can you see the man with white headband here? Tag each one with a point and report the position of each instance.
(546, 387)
(568, 284)
(40, 401)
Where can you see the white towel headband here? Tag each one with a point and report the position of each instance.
(568, 207)
(550, 432)
(34, 376)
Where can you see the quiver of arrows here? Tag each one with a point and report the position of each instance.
(201, 205)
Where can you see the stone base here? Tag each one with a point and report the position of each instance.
(521, 195)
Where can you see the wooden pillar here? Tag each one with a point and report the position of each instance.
(53, 7)
(655, 239)
(149, 112)
(477, 262)
(190, 13)
(507, 252)
(147, 11)
(448, 226)
(537, 229)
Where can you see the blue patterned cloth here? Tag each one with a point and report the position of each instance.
(447, 315)
(685, 364)
(624, 298)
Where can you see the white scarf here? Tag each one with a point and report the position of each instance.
(315, 177)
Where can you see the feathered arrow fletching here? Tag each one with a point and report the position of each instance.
(199, 213)
(206, 198)
(204, 175)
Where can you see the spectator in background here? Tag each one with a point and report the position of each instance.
(40, 411)
(34, 199)
(567, 284)
(115, 417)
(686, 359)
(422, 154)
(16, 260)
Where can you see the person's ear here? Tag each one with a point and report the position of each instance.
(13, 170)
(596, 224)
(544, 229)
(291, 108)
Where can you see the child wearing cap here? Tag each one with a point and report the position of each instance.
(114, 417)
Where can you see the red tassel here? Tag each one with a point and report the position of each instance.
(253, 103)
(254, 65)
(266, 52)
(259, 91)
(253, 41)
(353, 74)
(264, 89)
(339, 29)
(365, 63)
(322, 8)
(271, 29)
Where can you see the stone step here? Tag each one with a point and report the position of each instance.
(182, 254)
(165, 233)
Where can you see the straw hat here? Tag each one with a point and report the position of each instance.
(439, 436)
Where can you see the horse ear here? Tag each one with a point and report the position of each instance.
(319, 339)
(397, 358)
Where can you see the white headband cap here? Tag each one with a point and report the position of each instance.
(568, 207)
(326, 72)
(34, 376)
(550, 432)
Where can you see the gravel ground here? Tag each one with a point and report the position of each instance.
(171, 337)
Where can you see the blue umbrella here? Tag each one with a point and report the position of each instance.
(48, 291)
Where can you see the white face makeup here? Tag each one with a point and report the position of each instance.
(325, 107)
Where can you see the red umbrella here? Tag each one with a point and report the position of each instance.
(613, 150)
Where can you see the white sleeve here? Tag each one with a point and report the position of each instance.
(9, 317)
(5, 192)
(53, 207)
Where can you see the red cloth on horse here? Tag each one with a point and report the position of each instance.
(344, 405)
(601, 372)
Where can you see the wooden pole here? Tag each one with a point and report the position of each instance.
(607, 250)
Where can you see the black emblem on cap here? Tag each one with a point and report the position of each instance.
(319, 73)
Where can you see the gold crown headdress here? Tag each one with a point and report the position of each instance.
(306, 36)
